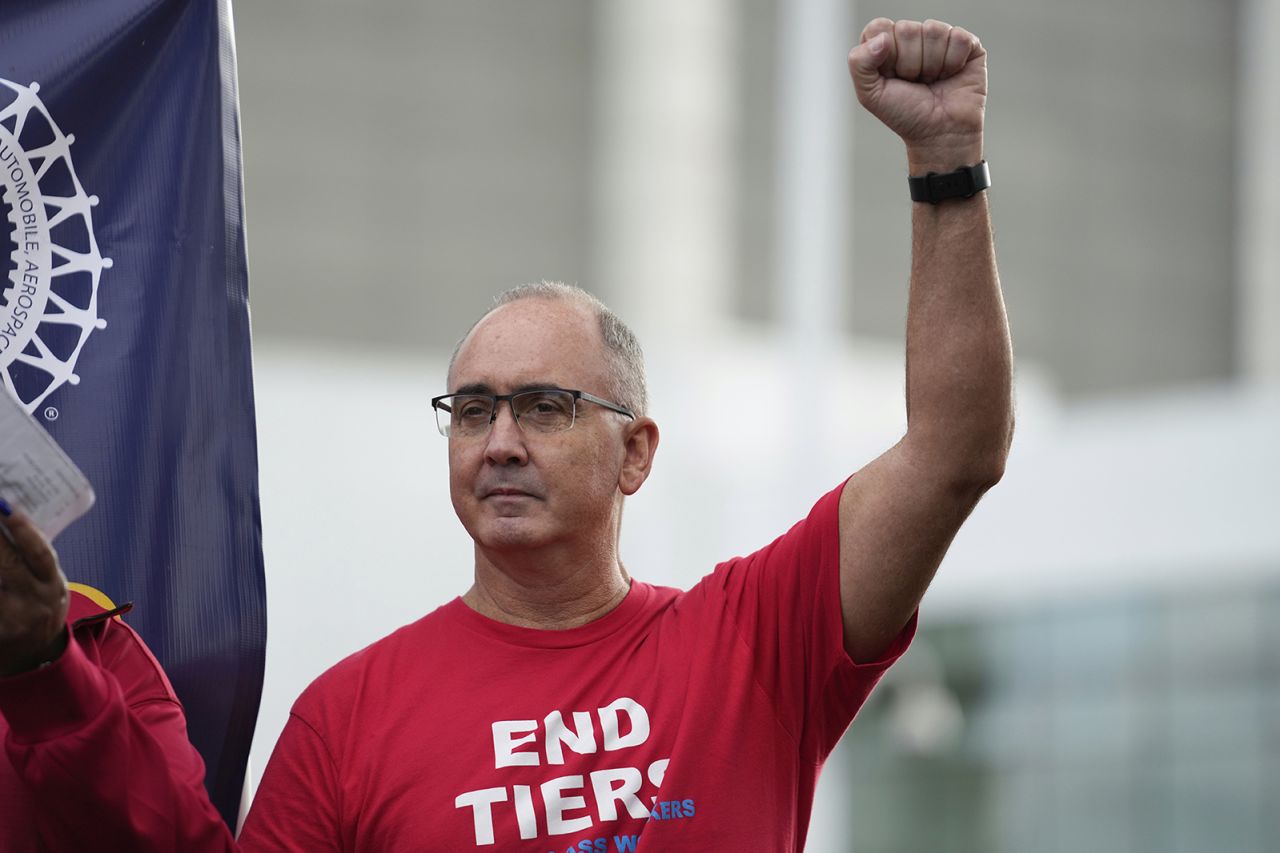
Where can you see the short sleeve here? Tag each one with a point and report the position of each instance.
(296, 807)
(784, 602)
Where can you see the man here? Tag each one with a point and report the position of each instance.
(559, 704)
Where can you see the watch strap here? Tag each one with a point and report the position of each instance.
(937, 187)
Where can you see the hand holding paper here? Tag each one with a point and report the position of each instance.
(33, 598)
(41, 492)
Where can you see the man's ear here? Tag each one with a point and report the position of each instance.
(640, 443)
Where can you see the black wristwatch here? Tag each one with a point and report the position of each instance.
(940, 186)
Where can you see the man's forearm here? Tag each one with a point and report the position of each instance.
(928, 83)
(959, 360)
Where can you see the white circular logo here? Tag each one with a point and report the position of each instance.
(49, 298)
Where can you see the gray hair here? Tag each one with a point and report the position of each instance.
(627, 384)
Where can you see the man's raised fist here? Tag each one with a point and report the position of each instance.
(927, 82)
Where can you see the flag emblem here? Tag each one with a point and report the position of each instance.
(49, 287)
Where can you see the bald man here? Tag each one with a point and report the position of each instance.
(561, 705)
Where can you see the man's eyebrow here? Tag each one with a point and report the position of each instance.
(474, 388)
(482, 388)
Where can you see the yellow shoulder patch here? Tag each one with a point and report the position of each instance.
(97, 596)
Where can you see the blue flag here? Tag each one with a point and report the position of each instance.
(124, 327)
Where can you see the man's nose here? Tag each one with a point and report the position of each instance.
(505, 444)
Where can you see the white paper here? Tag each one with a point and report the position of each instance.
(35, 475)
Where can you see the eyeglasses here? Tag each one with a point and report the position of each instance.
(543, 410)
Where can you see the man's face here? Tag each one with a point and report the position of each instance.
(517, 489)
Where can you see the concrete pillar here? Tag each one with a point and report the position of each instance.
(665, 122)
(814, 125)
(815, 119)
(1258, 199)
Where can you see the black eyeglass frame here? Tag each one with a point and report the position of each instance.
(440, 405)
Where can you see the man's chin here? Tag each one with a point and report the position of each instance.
(503, 534)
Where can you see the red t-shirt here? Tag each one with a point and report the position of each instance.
(691, 720)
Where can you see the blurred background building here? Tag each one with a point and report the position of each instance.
(1099, 664)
